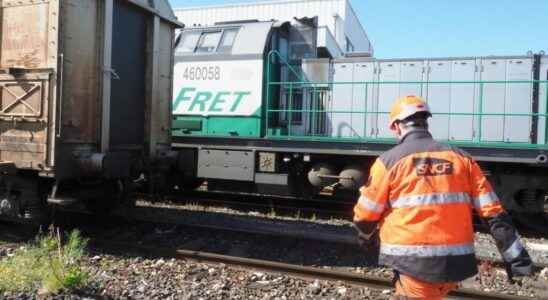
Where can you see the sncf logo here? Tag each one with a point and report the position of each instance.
(427, 166)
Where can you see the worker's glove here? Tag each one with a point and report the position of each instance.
(368, 235)
(507, 240)
(369, 242)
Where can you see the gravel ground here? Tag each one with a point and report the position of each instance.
(130, 276)
(119, 275)
(127, 276)
(146, 278)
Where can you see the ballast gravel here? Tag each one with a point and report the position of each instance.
(127, 277)
(329, 229)
(117, 274)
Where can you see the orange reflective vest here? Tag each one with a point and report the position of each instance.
(422, 193)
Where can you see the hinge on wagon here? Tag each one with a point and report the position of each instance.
(14, 121)
(112, 72)
(15, 71)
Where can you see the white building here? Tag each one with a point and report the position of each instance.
(340, 29)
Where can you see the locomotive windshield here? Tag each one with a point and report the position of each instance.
(210, 41)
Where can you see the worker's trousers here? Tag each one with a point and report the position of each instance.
(411, 288)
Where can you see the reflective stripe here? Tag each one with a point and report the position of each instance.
(429, 199)
(513, 251)
(372, 206)
(485, 199)
(427, 251)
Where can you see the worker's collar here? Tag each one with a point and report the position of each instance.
(416, 134)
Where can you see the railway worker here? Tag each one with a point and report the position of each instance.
(418, 201)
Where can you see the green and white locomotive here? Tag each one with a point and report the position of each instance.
(259, 108)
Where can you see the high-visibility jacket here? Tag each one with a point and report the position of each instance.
(422, 194)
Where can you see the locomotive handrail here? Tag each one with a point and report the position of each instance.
(273, 53)
(478, 112)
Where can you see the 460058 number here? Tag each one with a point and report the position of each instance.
(202, 73)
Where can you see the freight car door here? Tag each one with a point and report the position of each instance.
(127, 110)
(24, 120)
(28, 64)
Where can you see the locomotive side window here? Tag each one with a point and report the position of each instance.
(208, 42)
(229, 36)
(188, 42)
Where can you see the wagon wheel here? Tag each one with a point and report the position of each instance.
(191, 184)
(184, 182)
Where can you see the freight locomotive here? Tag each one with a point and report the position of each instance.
(259, 109)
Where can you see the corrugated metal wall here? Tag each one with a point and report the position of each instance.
(282, 10)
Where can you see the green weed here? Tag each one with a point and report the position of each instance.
(47, 265)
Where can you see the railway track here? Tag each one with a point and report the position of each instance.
(529, 225)
(274, 228)
(279, 232)
(242, 222)
(289, 269)
(251, 202)
(180, 251)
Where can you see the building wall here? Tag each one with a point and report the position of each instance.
(326, 10)
(355, 31)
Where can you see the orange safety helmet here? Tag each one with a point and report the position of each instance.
(407, 106)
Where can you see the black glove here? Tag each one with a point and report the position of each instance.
(369, 242)
(506, 237)
(368, 235)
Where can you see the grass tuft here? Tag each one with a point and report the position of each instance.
(47, 265)
(272, 212)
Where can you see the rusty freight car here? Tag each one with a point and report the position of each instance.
(85, 90)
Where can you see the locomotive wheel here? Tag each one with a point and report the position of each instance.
(524, 196)
(535, 214)
(109, 196)
(191, 183)
(186, 183)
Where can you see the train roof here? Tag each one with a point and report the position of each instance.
(246, 39)
(358, 59)
(160, 8)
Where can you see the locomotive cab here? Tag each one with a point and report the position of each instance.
(221, 73)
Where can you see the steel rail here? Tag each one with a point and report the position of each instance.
(290, 269)
(267, 205)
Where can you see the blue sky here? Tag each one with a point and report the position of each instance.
(423, 28)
